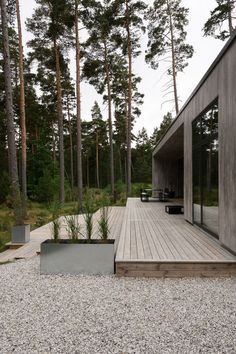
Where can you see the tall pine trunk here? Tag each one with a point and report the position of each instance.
(126, 140)
(173, 60)
(120, 164)
(53, 145)
(110, 121)
(129, 114)
(71, 146)
(78, 112)
(60, 124)
(87, 168)
(97, 160)
(22, 105)
(12, 154)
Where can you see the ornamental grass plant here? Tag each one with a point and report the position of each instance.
(88, 215)
(103, 222)
(73, 227)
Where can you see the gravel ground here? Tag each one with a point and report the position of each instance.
(87, 314)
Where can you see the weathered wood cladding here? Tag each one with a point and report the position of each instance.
(218, 83)
(168, 169)
(169, 176)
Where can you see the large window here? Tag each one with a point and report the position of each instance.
(205, 169)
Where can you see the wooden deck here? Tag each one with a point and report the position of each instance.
(43, 233)
(149, 242)
(154, 243)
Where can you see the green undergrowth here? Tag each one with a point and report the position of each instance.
(39, 214)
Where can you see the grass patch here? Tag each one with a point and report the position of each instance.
(6, 221)
(6, 262)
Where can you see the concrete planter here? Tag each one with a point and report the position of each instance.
(20, 234)
(82, 257)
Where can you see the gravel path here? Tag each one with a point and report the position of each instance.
(98, 315)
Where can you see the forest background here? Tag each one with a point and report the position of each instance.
(60, 152)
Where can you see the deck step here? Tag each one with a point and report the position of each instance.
(14, 246)
(176, 269)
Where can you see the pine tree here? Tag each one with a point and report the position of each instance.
(87, 143)
(78, 104)
(120, 99)
(100, 131)
(220, 25)
(14, 58)
(15, 189)
(51, 24)
(167, 21)
(143, 158)
(131, 26)
(99, 54)
(22, 105)
(69, 104)
(158, 133)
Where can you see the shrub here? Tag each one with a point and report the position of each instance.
(137, 186)
(46, 187)
(41, 219)
(120, 187)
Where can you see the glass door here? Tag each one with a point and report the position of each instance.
(210, 199)
(197, 185)
(205, 170)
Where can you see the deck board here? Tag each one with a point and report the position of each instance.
(139, 233)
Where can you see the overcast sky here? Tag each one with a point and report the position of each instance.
(153, 109)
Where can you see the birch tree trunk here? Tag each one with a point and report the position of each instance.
(60, 124)
(12, 154)
(78, 113)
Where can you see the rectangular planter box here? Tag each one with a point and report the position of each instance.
(64, 257)
(20, 234)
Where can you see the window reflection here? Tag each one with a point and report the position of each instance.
(196, 131)
(205, 169)
(197, 185)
